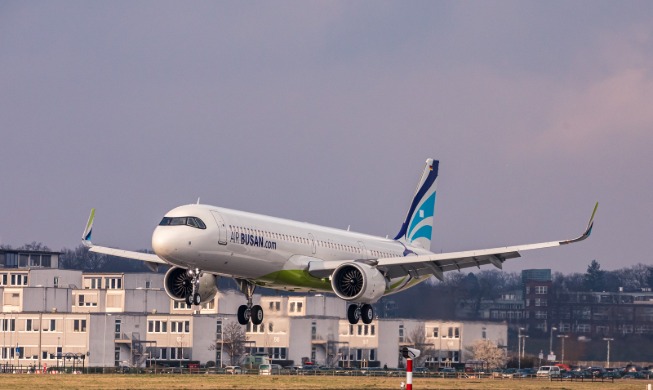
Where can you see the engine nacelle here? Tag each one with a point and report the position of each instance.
(178, 284)
(358, 282)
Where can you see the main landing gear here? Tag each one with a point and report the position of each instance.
(194, 297)
(249, 312)
(357, 312)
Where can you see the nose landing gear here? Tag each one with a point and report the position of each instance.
(194, 297)
(249, 311)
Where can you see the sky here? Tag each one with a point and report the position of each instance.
(325, 112)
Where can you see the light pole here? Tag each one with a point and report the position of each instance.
(608, 339)
(562, 337)
(523, 345)
(221, 339)
(519, 347)
(551, 341)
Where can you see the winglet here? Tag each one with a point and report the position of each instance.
(588, 231)
(86, 236)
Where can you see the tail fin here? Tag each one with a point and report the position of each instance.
(418, 226)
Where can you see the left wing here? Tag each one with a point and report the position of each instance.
(438, 263)
(151, 259)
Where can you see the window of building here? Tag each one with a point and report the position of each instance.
(93, 283)
(401, 334)
(218, 329)
(3, 279)
(8, 325)
(484, 333)
(28, 326)
(541, 289)
(53, 326)
(113, 283)
(275, 305)
(436, 332)
(180, 326)
(251, 328)
(180, 305)
(116, 356)
(278, 353)
(18, 279)
(210, 305)
(87, 299)
(79, 326)
(157, 326)
(456, 332)
(540, 302)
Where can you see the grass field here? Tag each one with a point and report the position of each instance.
(49, 382)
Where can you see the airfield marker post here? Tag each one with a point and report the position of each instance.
(409, 374)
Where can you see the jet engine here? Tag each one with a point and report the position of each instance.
(178, 284)
(358, 282)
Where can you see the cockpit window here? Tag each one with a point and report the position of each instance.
(179, 221)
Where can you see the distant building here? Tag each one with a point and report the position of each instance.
(537, 308)
(16, 258)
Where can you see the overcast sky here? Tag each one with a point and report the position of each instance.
(325, 112)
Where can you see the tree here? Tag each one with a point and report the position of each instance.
(232, 343)
(594, 279)
(490, 353)
(81, 258)
(418, 338)
(35, 246)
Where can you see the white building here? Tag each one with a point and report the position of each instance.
(52, 315)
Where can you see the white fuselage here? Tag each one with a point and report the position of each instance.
(265, 249)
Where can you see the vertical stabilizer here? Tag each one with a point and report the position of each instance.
(417, 229)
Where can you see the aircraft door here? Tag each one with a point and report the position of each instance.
(311, 238)
(365, 254)
(222, 228)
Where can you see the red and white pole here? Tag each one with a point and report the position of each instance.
(409, 374)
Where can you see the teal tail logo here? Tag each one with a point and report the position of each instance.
(418, 226)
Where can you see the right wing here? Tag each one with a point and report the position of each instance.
(439, 263)
(151, 259)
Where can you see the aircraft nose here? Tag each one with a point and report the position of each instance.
(163, 242)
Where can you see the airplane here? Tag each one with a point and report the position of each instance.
(202, 242)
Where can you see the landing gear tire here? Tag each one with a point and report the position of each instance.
(197, 299)
(257, 315)
(353, 314)
(189, 300)
(367, 313)
(243, 314)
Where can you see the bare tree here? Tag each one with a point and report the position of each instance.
(232, 343)
(35, 246)
(418, 338)
(81, 258)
